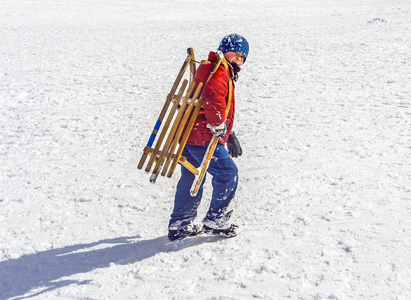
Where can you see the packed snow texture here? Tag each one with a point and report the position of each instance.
(322, 113)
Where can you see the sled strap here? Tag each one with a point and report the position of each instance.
(202, 169)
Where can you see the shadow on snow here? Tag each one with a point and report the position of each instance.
(42, 271)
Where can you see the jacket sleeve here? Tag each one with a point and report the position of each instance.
(214, 95)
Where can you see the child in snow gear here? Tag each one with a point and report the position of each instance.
(214, 122)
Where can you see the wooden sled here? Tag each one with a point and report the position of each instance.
(180, 111)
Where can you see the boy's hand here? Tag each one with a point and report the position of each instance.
(234, 147)
(220, 130)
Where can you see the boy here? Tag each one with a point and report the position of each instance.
(211, 121)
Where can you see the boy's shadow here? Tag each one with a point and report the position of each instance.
(44, 269)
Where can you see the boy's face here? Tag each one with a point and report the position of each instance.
(234, 57)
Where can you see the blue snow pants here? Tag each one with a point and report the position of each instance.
(224, 182)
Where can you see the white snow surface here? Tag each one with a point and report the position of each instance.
(322, 111)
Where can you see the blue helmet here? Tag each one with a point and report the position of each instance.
(234, 42)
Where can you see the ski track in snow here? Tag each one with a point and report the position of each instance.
(322, 112)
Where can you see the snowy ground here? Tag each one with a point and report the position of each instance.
(323, 114)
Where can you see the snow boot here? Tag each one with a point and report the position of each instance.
(183, 232)
(227, 233)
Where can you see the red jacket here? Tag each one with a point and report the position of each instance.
(214, 105)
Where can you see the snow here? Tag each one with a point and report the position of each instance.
(322, 112)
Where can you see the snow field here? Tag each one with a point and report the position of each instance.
(322, 112)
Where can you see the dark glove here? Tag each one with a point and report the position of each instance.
(233, 146)
(220, 130)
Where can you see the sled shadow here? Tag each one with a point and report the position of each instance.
(44, 270)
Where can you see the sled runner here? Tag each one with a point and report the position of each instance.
(180, 112)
